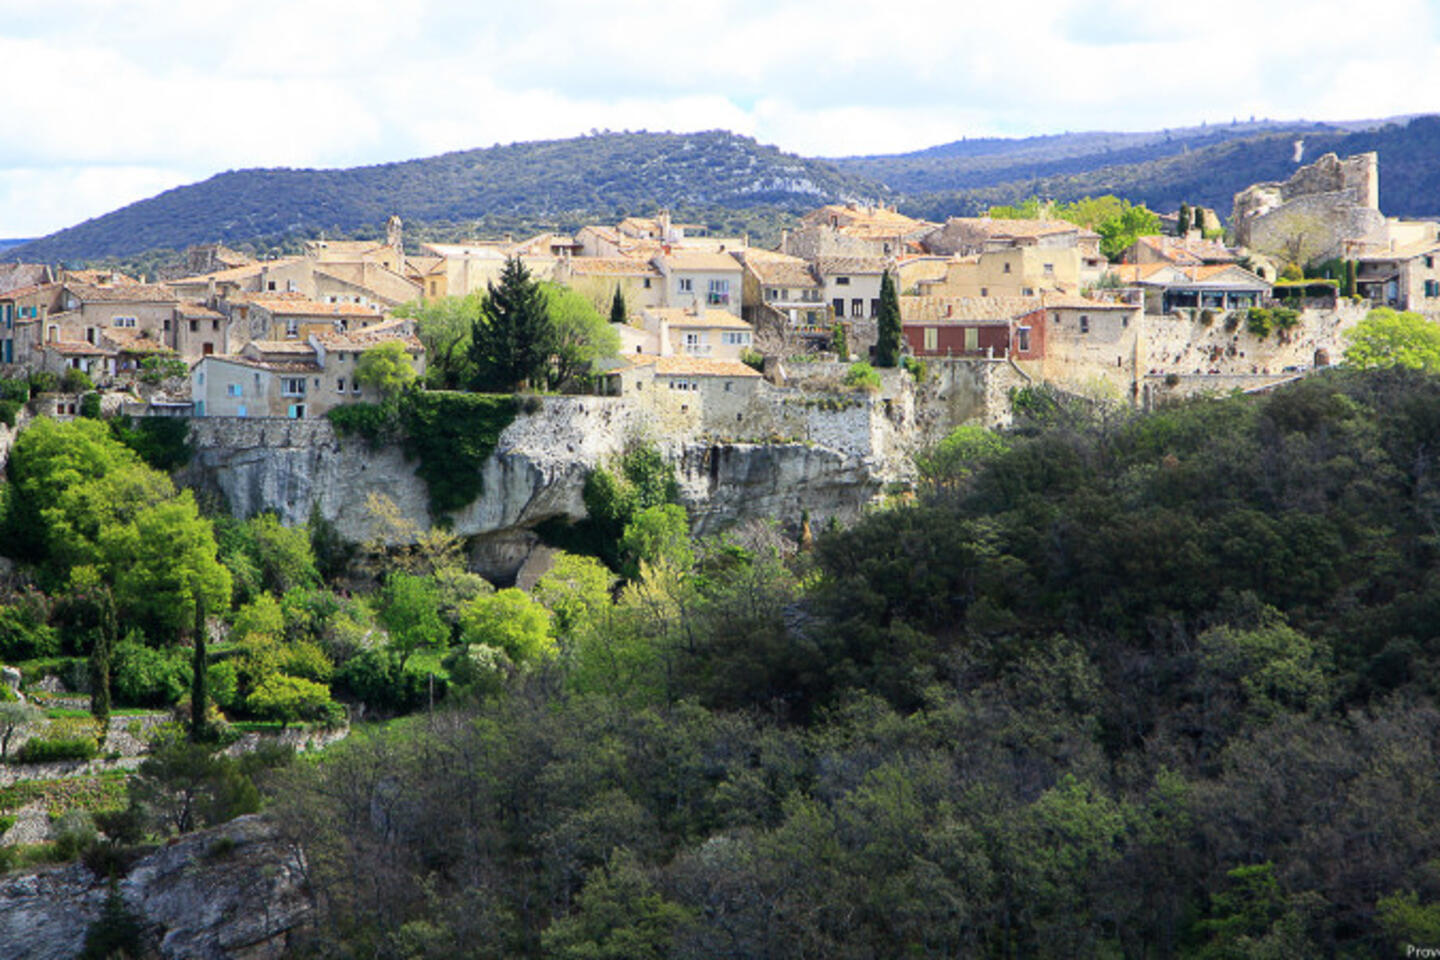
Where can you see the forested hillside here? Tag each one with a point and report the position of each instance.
(560, 182)
(1143, 686)
(1162, 177)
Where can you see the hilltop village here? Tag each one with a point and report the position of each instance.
(987, 303)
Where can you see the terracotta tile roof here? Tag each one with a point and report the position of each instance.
(612, 266)
(830, 266)
(99, 277)
(700, 367)
(1139, 272)
(287, 306)
(686, 317)
(359, 340)
(19, 292)
(965, 310)
(232, 274)
(198, 311)
(1064, 301)
(78, 348)
(1188, 250)
(694, 260)
(121, 293)
(282, 346)
(424, 266)
(451, 251)
(274, 366)
(127, 342)
(779, 270)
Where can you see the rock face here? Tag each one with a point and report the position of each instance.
(232, 893)
(829, 462)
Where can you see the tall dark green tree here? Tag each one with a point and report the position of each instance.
(1351, 288)
(199, 682)
(1182, 226)
(887, 347)
(100, 657)
(512, 338)
(617, 308)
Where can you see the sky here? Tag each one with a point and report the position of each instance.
(112, 101)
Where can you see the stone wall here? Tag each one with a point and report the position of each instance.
(1184, 344)
(1308, 215)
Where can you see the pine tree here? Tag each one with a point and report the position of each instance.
(199, 687)
(1183, 226)
(617, 308)
(513, 338)
(887, 347)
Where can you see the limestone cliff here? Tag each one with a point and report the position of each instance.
(830, 460)
(236, 892)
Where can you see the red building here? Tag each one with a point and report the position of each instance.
(977, 327)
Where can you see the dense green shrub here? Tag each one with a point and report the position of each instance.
(44, 750)
(9, 411)
(378, 678)
(76, 380)
(862, 376)
(16, 389)
(146, 677)
(375, 423)
(452, 435)
(25, 633)
(162, 442)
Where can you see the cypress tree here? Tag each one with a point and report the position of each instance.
(887, 347)
(512, 338)
(100, 656)
(617, 308)
(1183, 225)
(199, 688)
(1351, 287)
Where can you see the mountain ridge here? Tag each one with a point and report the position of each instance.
(731, 181)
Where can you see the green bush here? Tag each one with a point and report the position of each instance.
(375, 423)
(76, 381)
(452, 435)
(862, 376)
(753, 359)
(90, 405)
(45, 750)
(9, 410)
(156, 369)
(376, 677)
(25, 633)
(43, 381)
(915, 367)
(145, 677)
(162, 442)
(16, 389)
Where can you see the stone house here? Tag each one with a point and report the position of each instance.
(293, 317)
(134, 308)
(694, 332)
(597, 278)
(1094, 347)
(1166, 287)
(851, 285)
(854, 230)
(974, 327)
(1192, 250)
(785, 286)
(1405, 277)
(708, 279)
(23, 312)
(294, 379)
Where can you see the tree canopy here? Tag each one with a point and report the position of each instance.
(1386, 338)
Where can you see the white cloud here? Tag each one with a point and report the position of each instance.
(137, 93)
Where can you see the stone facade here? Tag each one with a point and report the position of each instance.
(1309, 217)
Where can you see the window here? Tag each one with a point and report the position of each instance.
(686, 285)
(214, 324)
(1048, 268)
(735, 338)
(1007, 268)
(1055, 319)
(292, 327)
(972, 339)
(240, 410)
(1432, 288)
(719, 292)
(842, 281)
(199, 408)
(646, 283)
(1084, 324)
(340, 384)
(857, 307)
(984, 291)
(694, 342)
(297, 410)
(1028, 291)
(234, 390)
(1430, 262)
(771, 293)
(727, 386)
(123, 321)
(434, 288)
(194, 325)
(200, 379)
(167, 326)
(1022, 339)
(932, 338)
(270, 285)
(839, 307)
(292, 387)
(875, 308)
